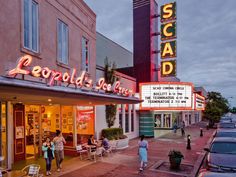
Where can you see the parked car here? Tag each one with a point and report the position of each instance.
(226, 132)
(215, 174)
(226, 120)
(226, 125)
(221, 155)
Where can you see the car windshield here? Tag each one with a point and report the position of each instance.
(226, 134)
(227, 125)
(223, 147)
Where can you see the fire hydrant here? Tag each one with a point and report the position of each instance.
(201, 132)
(189, 142)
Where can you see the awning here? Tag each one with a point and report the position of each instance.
(29, 92)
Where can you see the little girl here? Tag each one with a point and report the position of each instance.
(48, 149)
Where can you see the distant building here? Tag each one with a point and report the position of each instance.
(127, 117)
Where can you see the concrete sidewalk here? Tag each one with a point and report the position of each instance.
(126, 163)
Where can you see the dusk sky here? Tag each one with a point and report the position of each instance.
(206, 39)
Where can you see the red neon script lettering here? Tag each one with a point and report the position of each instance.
(22, 62)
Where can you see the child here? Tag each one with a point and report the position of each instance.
(48, 149)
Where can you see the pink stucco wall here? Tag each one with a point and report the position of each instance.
(80, 19)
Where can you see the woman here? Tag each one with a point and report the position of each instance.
(59, 142)
(143, 147)
(48, 149)
(92, 143)
(91, 140)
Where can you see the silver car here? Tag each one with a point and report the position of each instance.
(221, 155)
(226, 125)
(226, 132)
(215, 174)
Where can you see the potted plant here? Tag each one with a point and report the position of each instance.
(175, 158)
(116, 135)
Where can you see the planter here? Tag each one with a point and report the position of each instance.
(122, 143)
(175, 162)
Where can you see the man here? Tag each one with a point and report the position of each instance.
(59, 142)
(105, 143)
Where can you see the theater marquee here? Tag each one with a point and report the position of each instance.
(168, 42)
(166, 96)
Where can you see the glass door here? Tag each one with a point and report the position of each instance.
(3, 135)
(32, 116)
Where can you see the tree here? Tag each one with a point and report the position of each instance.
(109, 74)
(216, 107)
(233, 110)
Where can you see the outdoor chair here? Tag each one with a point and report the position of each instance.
(2, 171)
(113, 145)
(97, 153)
(108, 150)
(32, 170)
(80, 150)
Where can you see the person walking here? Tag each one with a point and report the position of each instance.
(59, 142)
(182, 128)
(175, 127)
(142, 152)
(48, 150)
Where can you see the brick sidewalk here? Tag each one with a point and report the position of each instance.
(125, 162)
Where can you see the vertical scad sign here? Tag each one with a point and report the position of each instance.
(168, 40)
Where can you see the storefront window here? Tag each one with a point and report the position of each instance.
(132, 121)
(157, 119)
(167, 120)
(126, 122)
(84, 123)
(120, 120)
(67, 124)
(3, 135)
(50, 121)
(119, 108)
(32, 133)
(196, 117)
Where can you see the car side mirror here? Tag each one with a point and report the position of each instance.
(207, 149)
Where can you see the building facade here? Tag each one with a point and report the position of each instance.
(127, 116)
(145, 40)
(48, 76)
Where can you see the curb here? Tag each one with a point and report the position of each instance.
(201, 157)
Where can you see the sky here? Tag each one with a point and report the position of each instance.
(206, 39)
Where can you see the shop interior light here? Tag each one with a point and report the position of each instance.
(50, 104)
(49, 100)
(90, 102)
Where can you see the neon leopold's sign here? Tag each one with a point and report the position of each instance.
(81, 81)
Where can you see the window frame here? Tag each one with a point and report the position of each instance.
(61, 60)
(30, 12)
(84, 67)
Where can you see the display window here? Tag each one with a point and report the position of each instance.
(157, 119)
(167, 120)
(3, 135)
(84, 122)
